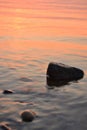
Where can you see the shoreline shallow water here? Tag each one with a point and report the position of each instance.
(59, 108)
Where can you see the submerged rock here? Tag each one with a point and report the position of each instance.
(8, 92)
(60, 74)
(24, 79)
(28, 116)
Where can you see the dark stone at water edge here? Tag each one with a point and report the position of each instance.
(60, 74)
(8, 92)
(28, 116)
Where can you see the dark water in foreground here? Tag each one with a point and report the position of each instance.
(32, 34)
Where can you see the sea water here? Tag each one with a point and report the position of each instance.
(33, 34)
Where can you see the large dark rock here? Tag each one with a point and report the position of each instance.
(60, 74)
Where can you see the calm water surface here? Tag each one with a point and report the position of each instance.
(32, 34)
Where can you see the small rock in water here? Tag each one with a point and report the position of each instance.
(28, 116)
(4, 127)
(8, 92)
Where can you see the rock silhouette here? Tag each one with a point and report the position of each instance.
(59, 74)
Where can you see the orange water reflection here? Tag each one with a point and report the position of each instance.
(26, 18)
(20, 45)
(36, 24)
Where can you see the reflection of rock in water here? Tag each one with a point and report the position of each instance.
(60, 74)
(52, 82)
